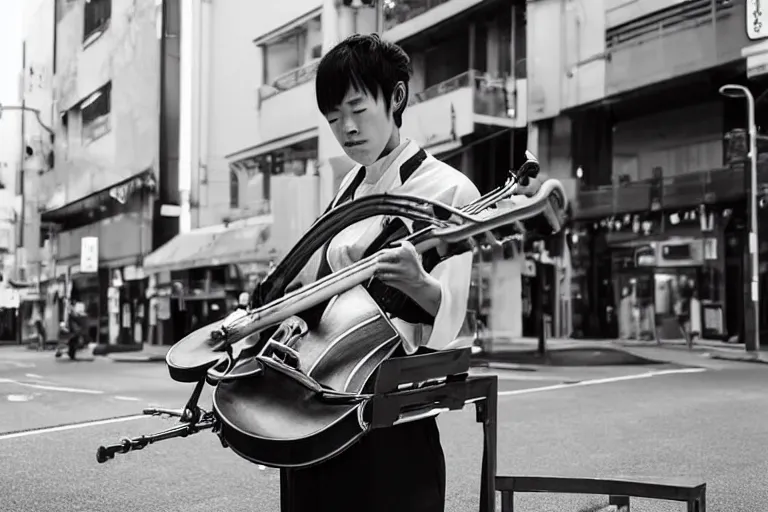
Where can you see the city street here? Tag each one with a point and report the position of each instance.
(632, 420)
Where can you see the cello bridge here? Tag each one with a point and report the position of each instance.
(280, 346)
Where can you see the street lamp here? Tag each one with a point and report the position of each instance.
(739, 91)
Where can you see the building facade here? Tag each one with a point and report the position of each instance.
(221, 249)
(96, 168)
(624, 102)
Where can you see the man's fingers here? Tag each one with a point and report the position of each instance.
(389, 256)
(384, 267)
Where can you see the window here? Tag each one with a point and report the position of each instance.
(95, 113)
(292, 51)
(234, 189)
(97, 14)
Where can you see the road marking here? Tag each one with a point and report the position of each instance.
(53, 388)
(129, 398)
(20, 398)
(607, 380)
(33, 376)
(18, 364)
(46, 430)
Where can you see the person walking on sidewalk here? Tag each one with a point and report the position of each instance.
(685, 295)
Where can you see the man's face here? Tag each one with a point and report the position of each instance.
(362, 125)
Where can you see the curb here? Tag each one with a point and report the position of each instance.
(742, 358)
(500, 365)
(135, 359)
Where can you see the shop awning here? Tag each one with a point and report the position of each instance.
(242, 156)
(121, 189)
(209, 247)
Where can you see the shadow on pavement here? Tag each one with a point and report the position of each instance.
(579, 356)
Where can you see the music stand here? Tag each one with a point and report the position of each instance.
(454, 389)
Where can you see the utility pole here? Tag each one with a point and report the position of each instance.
(751, 326)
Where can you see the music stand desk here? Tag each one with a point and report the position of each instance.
(446, 386)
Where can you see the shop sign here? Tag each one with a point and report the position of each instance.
(89, 254)
(9, 298)
(645, 256)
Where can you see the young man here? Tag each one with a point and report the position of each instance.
(362, 90)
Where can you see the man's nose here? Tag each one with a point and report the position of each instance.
(350, 127)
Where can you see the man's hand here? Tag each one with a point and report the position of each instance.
(400, 267)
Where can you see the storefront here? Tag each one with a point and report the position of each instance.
(197, 277)
(631, 269)
(100, 242)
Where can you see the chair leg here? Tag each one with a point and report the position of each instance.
(698, 504)
(507, 501)
(621, 502)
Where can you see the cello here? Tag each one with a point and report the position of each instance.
(288, 394)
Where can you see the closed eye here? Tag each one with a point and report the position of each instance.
(358, 111)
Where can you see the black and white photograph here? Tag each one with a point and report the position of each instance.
(383, 255)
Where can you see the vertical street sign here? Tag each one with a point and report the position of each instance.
(89, 254)
(757, 19)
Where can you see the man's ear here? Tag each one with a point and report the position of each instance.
(398, 97)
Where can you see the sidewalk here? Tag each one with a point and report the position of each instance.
(506, 350)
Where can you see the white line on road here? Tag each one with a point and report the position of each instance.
(128, 398)
(14, 435)
(53, 388)
(600, 381)
(33, 376)
(18, 364)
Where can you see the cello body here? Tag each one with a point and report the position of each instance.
(272, 407)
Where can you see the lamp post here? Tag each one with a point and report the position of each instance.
(750, 343)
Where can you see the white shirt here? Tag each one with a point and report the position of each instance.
(433, 180)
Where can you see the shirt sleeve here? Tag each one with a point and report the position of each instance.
(455, 276)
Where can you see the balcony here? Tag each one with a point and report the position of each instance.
(406, 18)
(685, 191)
(679, 40)
(442, 114)
(288, 106)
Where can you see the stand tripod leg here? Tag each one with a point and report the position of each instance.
(486, 414)
(285, 490)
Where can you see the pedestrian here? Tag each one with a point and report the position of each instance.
(685, 296)
(74, 332)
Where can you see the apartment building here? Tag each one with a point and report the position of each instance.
(96, 164)
(624, 103)
(222, 248)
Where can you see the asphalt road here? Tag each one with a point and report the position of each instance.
(651, 421)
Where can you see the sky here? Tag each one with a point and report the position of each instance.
(11, 22)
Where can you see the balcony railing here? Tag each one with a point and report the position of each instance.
(289, 80)
(400, 11)
(684, 191)
(493, 96)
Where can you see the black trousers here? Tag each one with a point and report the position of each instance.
(397, 469)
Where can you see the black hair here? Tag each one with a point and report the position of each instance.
(367, 63)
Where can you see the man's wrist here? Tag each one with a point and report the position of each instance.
(426, 292)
